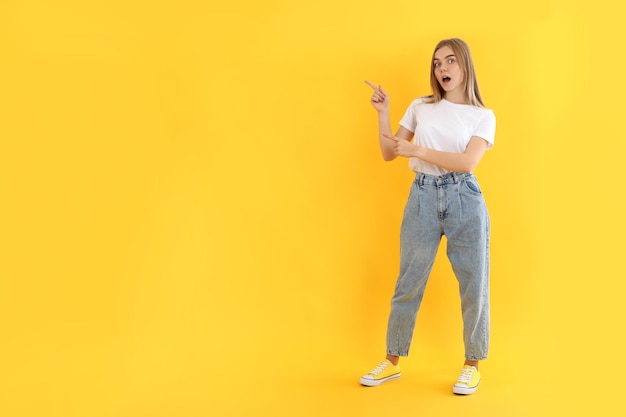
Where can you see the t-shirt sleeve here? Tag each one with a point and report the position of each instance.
(486, 128)
(409, 120)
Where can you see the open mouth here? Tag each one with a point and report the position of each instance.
(445, 79)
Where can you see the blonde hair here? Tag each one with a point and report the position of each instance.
(464, 58)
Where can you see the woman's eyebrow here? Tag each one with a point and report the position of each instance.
(437, 59)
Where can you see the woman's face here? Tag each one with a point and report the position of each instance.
(447, 69)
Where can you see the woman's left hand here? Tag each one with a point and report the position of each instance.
(403, 147)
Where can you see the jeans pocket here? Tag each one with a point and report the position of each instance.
(472, 185)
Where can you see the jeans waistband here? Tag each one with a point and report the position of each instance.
(449, 178)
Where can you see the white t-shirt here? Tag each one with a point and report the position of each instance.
(446, 126)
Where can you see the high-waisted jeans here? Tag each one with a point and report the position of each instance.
(450, 205)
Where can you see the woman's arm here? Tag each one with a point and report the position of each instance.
(387, 145)
(458, 162)
(380, 101)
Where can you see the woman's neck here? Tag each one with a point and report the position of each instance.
(456, 98)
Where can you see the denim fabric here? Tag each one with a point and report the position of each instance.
(450, 205)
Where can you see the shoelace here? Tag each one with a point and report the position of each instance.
(466, 375)
(380, 368)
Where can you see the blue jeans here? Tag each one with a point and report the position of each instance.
(450, 205)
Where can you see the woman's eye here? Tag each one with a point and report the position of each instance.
(451, 61)
(437, 64)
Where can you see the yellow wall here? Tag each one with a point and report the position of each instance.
(191, 193)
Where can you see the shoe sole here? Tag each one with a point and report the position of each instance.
(376, 382)
(464, 390)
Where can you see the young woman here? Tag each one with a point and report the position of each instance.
(452, 131)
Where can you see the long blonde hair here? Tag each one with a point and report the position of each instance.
(470, 83)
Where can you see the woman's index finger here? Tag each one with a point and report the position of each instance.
(371, 84)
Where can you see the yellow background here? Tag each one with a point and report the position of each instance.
(195, 219)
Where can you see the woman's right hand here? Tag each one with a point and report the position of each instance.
(380, 99)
